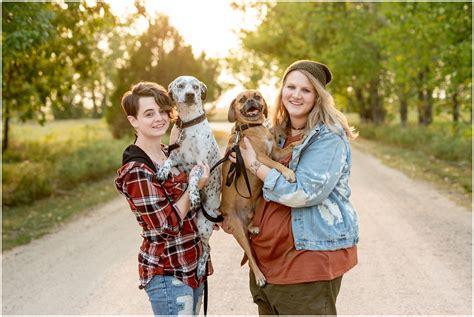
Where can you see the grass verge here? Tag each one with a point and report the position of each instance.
(24, 223)
(453, 179)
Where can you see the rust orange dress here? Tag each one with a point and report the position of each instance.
(275, 250)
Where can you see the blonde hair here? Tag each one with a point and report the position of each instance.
(324, 111)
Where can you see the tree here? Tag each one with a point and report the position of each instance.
(158, 55)
(416, 53)
(50, 57)
(23, 34)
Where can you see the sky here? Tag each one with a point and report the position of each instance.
(206, 25)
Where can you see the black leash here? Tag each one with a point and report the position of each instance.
(237, 169)
(206, 294)
(218, 218)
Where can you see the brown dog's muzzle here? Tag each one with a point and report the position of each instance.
(251, 108)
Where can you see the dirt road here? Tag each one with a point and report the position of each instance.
(414, 258)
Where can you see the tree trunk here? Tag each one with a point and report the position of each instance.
(103, 105)
(428, 106)
(419, 105)
(364, 110)
(6, 126)
(376, 107)
(456, 107)
(95, 113)
(403, 109)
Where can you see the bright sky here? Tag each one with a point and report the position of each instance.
(206, 25)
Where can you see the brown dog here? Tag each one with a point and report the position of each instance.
(249, 111)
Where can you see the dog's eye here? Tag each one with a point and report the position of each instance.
(242, 100)
(257, 97)
(195, 87)
(180, 86)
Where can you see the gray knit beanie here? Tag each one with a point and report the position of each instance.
(320, 71)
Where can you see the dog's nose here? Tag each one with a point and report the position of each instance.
(189, 95)
(251, 102)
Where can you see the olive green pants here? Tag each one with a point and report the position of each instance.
(314, 298)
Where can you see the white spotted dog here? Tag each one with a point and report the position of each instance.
(196, 141)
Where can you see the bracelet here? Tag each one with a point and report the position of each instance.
(254, 166)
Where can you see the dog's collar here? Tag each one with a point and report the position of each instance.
(183, 125)
(245, 126)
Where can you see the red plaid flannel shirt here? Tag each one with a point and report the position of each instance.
(171, 245)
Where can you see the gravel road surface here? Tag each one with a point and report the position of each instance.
(414, 258)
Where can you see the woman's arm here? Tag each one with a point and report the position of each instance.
(318, 172)
(151, 203)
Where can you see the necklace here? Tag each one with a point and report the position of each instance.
(297, 129)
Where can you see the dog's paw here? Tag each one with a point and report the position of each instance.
(289, 175)
(261, 282)
(254, 230)
(260, 279)
(164, 170)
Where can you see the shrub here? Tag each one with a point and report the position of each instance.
(443, 141)
(47, 160)
(26, 181)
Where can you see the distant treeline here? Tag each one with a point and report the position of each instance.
(76, 59)
(386, 58)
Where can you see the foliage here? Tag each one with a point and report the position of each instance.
(23, 223)
(415, 53)
(444, 140)
(158, 55)
(55, 158)
(52, 61)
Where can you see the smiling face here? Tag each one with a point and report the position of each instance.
(151, 121)
(248, 107)
(298, 97)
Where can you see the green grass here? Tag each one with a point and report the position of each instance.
(82, 156)
(442, 140)
(22, 224)
(46, 160)
(440, 153)
(52, 172)
(453, 180)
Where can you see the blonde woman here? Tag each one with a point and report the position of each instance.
(308, 229)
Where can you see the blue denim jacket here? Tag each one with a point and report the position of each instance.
(322, 216)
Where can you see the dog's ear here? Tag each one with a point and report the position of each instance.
(170, 90)
(231, 113)
(203, 91)
(265, 108)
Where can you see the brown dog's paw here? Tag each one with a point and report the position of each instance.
(289, 175)
(254, 230)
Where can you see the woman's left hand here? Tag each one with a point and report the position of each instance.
(248, 153)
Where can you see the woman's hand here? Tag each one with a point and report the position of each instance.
(204, 170)
(248, 153)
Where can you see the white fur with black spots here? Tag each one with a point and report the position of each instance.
(197, 145)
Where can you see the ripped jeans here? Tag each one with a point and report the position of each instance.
(170, 296)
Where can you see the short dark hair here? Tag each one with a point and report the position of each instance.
(147, 89)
